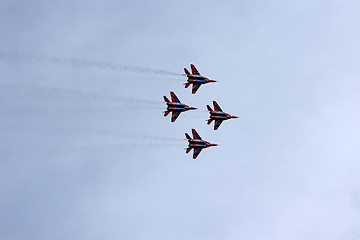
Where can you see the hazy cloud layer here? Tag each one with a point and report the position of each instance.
(86, 153)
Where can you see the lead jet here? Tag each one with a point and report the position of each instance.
(197, 143)
(195, 79)
(218, 115)
(175, 106)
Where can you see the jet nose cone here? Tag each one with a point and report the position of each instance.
(214, 144)
(234, 117)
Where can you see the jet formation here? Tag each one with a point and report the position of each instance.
(176, 107)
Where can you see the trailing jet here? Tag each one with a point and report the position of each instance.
(197, 143)
(175, 106)
(195, 79)
(218, 115)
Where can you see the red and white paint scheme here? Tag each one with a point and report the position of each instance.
(175, 106)
(218, 115)
(195, 79)
(197, 143)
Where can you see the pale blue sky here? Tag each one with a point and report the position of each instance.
(85, 152)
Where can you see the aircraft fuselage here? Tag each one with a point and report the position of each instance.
(175, 104)
(219, 115)
(198, 143)
(196, 78)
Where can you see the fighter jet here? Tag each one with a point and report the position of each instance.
(195, 79)
(197, 143)
(175, 106)
(218, 115)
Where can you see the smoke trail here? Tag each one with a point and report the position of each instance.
(70, 94)
(51, 151)
(89, 132)
(159, 138)
(82, 63)
(128, 145)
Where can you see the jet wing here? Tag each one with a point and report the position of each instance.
(217, 107)
(194, 70)
(195, 87)
(175, 115)
(174, 97)
(196, 152)
(196, 135)
(217, 124)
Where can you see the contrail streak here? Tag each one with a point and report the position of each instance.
(71, 94)
(91, 133)
(82, 63)
(61, 150)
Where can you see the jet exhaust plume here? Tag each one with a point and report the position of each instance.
(159, 138)
(82, 63)
(46, 152)
(71, 94)
(93, 133)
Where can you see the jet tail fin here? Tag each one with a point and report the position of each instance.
(188, 150)
(187, 84)
(186, 71)
(166, 99)
(187, 136)
(166, 113)
(209, 108)
(209, 121)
